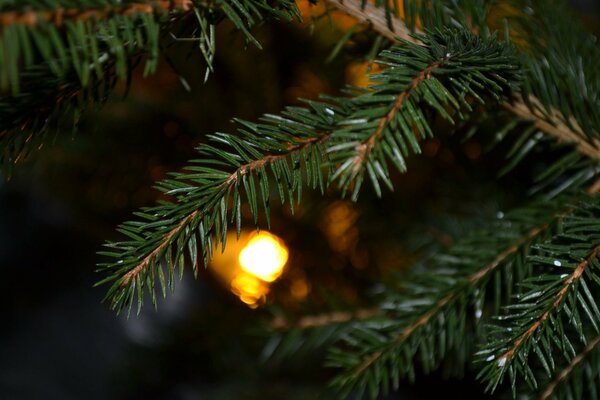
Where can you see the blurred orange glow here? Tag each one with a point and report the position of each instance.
(310, 11)
(264, 256)
(300, 289)
(339, 226)
(357, 73)
(249, 265)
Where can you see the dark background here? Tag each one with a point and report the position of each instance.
(58, 341)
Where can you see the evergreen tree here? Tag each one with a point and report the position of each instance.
(513, 299)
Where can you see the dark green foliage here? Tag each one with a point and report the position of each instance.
(84, 36)
(559, 297)
(455, 67)
(299, 148)
(437, 310)
(513, 299)
(90, 35)
(62, 57)
(561, 65)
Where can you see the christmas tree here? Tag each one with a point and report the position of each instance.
(495, 280)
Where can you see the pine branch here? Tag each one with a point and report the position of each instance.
(58, 108)
(366, 148)
(326, 136)
(564, 132)
(377, 134)
(232, 180)
(210, 218)
(545, 117)
(291, 339)
(559, 297)
(554, 301)
(75, 43)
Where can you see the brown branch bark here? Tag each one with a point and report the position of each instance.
(552, 123)
(59, 15)
(555, 125)
(569, 368)
(367, 146)
(319, 320)
(375, 17)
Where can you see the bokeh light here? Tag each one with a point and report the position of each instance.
(250, 264)
(264, 256)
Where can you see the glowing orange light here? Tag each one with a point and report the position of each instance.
(264, 256)
(249, 265)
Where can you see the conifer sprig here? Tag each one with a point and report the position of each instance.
(556, 311)
(301, 147)
(453, 69)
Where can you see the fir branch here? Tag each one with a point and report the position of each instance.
(371, 136)
(324, 137)
(475, 279)
(545, 117)
(552, 302)
(72, 57)
(58, 106)
(364, 150)
(232, 180)
(562, 131)
(210, 210)
(559, 297)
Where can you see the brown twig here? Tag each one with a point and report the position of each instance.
(375, 17)
(473, 279)
(567, 370)
(552, 122)
(319, 320)
(365, 148)
(59, 15)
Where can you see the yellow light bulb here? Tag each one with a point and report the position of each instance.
(264, 256)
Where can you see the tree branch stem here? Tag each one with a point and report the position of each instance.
(569, 368)
(59, 15)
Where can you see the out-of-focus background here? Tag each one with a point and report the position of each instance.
(58, 341)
